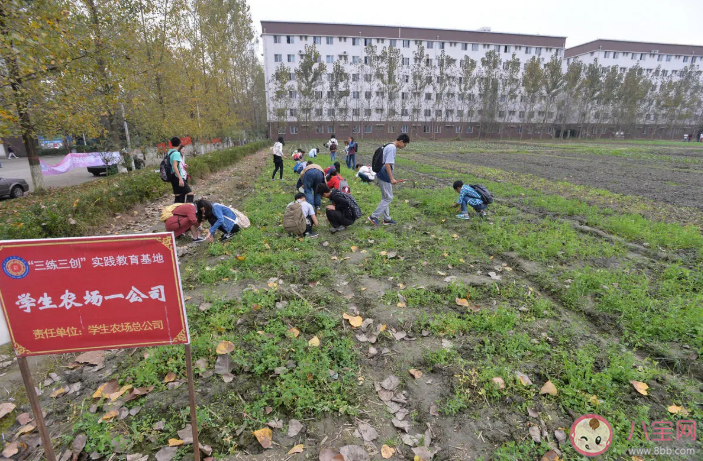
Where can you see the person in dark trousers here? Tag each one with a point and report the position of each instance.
(340, 213)
(310, 178)
(182, 192)
(220, 217)
(278, 158)
(351, 154)
(386, 181)
(10, 153)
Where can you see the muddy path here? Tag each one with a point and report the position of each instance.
(676, 183)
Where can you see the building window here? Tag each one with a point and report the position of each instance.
(330, 94)
(355, 41)
(330, 112)
(368, 128)
(668, 57)
(318, 112)
(439, 96)
(470, 129)
(407, 79)
(291, 77)
(291, 58)
(643, 56)
(368, 41)
(404, 129)
(460, 113)
(367, 95)
(474, 47)
(329, 59)
(329, 40)
(464, 46)
(330, 129)
(343, 39)
(441, 45)
(511, 113)
(391, 128)
(366, 60)
(406, 62)
(428, 96)
(429, 45)
(428, 113)
(506, 49)
(292, 94)
(685, 59)
(425, 129)
(355, 77)
(519, 130)
(380, 40)
(660, 57)
(277, 39)
(615, 55)
(355, 95)
(521, 114)
(355, 60)
(277, 58)
(665, 73)
(367, 112)
(528, 50)
(406, 43)
(438, 113)
(294, 130)
(282, 130)
(355, 129)
(393, 43)
(317, 40)
(693, 60)
(458, 129)
(290, 39)
(404, 112)
(449, 113)
(319, 129)
(538, 51)
(501, 113)
(606, 55)
(437, 128)
(379, 111)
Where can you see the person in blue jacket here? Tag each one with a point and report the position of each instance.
(220, 217)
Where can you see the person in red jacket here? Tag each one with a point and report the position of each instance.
(183, 219)
(335, 179)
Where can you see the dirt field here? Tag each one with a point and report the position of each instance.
(435, 339)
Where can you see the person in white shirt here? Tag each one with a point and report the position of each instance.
(332, 144)
(313, 152)
(365, 173)
(278, 158)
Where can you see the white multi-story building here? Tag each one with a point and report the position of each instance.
(671, 59)
(437, 111)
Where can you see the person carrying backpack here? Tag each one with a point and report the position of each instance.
(310, 177)
(351, 153)
(182, 192)
(299, 217)
(332, 144)
(183, 217)
(220, 217)
(382, 164)
(278, 158)
(470, 196)
(343, 211)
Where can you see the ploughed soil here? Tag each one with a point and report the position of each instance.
(678, 181)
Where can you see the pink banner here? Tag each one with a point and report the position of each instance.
(72, 161)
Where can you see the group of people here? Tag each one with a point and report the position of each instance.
(314, 183)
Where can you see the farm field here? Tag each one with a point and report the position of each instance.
(437, 338)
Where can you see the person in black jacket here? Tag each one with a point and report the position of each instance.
(340, 213)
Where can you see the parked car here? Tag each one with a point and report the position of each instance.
(12, 187)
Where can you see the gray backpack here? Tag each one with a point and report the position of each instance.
(294, 219)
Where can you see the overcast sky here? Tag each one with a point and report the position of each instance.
(667, 21)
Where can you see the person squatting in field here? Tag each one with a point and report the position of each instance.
(468, 197)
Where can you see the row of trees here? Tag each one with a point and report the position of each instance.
(152, 68)
(548, 96)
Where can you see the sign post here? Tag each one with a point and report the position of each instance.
(92, 293)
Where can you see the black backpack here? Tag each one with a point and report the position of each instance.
(354, 211)
(166, 168)
(486, 196)
(377, 161)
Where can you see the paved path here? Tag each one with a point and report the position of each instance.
(19, 168)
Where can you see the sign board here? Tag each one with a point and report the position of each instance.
(71, 161)
(90, 293)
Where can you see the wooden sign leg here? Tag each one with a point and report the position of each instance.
(193, 414)
(36, 409)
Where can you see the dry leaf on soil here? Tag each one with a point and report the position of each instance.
(368, 433)
(170, 377)
(356, 322)
(6, 408)
(294, 331)
(11, 449)
(417, 374)
(550, 456)
(23, 419)
(107, 389)
(109, 415)
(548, 388)
(524, 379)
(314, 342)
(675, 410)
(93, 358)
(498, 381)
(264, 437)
(296, 449)
(354, 453)
(640, 387)
(535, 434)
(175, 442)
(225, 347)
(387, 452)
(294, 427)
(78, 444)
(462, 302)
(328, 454)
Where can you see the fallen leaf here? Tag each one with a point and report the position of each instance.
(354, 453)
(23, 418)
(96, 358)
(594, 400)
(166, 453)
(294, 427)
(422, 454)
(6, 408)
(636, 458)
(368, 433)
(498, 381)
(560, 436)
(11, 449)
(159, 426)
(314, 342)
(106, 389)
(356, 322)
(109, 415)
(390, 383)
(550, 456)
(494, 276)
(548, 388)
(640, 387)
(294, 331)
(78, 445)
(387, 452)
(434, 410)
(170, 377)
(328, 454)
(225, 347)
(535, 434)
(296, 449)
(186, 435)
(117, 394)
(524, 379)
(532, 413)
(462, 302)
(264, 437)
(275, 424)
(417, 374)
(354, 248)
(175, 442)
(675, 410)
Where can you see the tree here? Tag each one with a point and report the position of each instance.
(443, 84)
(591, 89)
(339, 88)
(281, 102)
(510, 89)
(532, 85)
(419, 83)
(467, 84)
(606, 101)
(308, 80)
(489, 90)
(388, 65)
(573, 82)
(552, 86)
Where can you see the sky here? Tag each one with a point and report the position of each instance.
(664, 21)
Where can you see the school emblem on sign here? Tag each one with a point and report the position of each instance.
(15, 267)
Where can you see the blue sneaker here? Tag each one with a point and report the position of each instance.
(463, 216)
(389, 222)
(374, 221)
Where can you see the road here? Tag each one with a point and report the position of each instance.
(19, 168)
